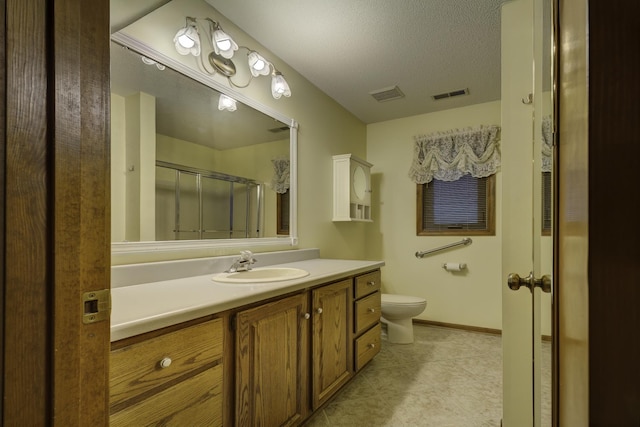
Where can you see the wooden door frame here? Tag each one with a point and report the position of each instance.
(56, 210)
(596, 292)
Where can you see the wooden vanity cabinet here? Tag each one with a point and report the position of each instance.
(291, 354)
(278, 363)
(367, 311)
(171, 377)
(332, 344)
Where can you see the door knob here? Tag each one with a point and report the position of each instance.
(514, 281)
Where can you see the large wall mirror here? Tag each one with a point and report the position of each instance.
(186, 174)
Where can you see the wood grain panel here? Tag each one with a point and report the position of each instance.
(3, 141)
(271, 363)
(27, 277)
(614, 147)
(332, 345)
(367, 311)
(367, 346)
(80, 152)
(136, 369)
(367, 283)
(80, 93)
(197, 401)
(570, 292)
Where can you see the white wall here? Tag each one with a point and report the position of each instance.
(132, 167)
(469, 298)
(118, 168)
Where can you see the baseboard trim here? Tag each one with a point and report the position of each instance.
(457, 326)
(468, 328)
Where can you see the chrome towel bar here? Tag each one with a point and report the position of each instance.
(466, 241)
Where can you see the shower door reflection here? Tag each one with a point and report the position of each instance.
(194, 204)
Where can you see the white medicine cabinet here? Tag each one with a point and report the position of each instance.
(351, 188)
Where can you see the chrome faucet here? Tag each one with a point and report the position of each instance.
(243, 263)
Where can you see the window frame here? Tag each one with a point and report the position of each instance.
(490, 229)
(282, 213)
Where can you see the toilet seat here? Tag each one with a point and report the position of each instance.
(401, 300)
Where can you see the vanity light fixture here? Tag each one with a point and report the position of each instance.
(187, 39)
(221, 49)
(226, 103)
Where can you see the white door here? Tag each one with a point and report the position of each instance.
(527, 238)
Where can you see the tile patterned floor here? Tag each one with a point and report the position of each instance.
(446, 378)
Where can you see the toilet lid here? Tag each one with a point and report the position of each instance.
(401, 299)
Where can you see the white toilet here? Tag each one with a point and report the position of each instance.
(397, 312)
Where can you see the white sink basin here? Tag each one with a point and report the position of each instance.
(261, 275)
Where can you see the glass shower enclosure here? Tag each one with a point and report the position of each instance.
(194, 204)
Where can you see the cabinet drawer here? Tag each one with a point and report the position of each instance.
(367, 346)
(367, 312)
(137, 368)
(367, 283)
(196, 401)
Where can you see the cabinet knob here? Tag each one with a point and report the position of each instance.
(372, 310)
(319, 310)
(372, 345)
(165, 363)
(371, 283)
(307, 316)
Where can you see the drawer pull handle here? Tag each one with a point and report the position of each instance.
(319, 310)
(372, 310)
(372, 345)
(165, 363)
(307, 316)
(371, 283)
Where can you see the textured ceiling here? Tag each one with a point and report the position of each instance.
(350, 48)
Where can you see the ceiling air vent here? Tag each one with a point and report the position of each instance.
(280, 129)
(451, 94)
(387, 94)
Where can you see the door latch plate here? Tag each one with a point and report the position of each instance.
(96, 306)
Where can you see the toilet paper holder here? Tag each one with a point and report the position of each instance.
(454, 266)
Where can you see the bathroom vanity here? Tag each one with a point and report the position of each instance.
(213, 353)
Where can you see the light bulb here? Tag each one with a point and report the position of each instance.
(185, 41)
(226, 103)
(279, 86)
(223, 44)
(257, 64)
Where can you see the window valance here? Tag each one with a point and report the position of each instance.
(447, 156)
(280, 181)
(547, 145)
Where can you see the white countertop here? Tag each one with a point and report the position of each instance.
(145, 307)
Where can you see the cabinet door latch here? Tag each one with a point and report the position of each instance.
(96, 306)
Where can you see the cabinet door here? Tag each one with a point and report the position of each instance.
(271, 363)
(332, 341)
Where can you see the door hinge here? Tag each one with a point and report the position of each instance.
(96, 306)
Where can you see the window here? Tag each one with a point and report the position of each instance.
(462, 207)
(282, 226)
